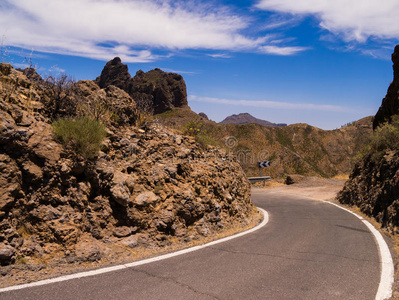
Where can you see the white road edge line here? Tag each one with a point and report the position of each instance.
(137, 263)
(387, 268)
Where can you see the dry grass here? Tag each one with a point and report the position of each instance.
(341, 176)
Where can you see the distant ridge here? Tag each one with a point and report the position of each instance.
(246, 118)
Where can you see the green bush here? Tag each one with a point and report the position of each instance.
(383, 139)
(83, 134)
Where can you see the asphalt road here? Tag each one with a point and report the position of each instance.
(308, 250)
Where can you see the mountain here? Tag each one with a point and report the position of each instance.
(294, 149)
(245, 118)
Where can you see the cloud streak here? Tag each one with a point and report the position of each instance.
(271, 104)
(352, 20)
(131, 29)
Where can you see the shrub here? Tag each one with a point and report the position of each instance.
(62, 100)
(205, 140)
(194, 128)
(83, 134)
(383, 139)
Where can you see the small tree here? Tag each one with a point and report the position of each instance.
(62, 96)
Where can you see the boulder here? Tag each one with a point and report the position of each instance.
(292, 179)
(6, 254)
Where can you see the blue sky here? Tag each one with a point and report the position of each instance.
(321, 62)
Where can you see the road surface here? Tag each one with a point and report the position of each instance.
(308, 250)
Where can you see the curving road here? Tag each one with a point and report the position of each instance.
(308, 250)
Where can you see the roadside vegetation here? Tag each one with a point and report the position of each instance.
(385, 138)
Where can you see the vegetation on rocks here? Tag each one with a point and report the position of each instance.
(84, 135)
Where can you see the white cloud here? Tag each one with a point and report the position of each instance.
(271, 104)
(281, 50)
(353, 20)
(220, 55)
(178, 71)
(103, 29)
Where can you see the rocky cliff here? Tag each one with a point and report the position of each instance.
(143, 190)
(155, 91)
(390, 104)
(374, 182)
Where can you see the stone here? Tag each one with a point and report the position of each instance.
(122, 231)
(146, 199)
(131, 241)
(292, 179)
(6, 254)
(122, 185)
(88, 250)
(33, 171)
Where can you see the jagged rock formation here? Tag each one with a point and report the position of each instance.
(390, 104)
(203, 115)
(155, 90)
(374, 182)
(373, 186)
(144, 189)
(245, 118)
(114, 73)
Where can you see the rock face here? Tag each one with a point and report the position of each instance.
(245, 118)
(374, 187)
(114, 73)
(203, 115)
(144, 188)
(162, 91)
(390, 104)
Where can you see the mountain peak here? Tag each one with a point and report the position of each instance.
(246, 118)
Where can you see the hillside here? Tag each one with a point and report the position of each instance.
(245, 118)
(82, 182)
(374, 182)
(293, 149)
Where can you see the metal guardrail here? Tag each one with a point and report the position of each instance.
(261, 178)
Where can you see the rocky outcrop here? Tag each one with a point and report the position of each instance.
(115, 102)
(155, 90)
(143, 189)
(114, 73)
(390, 104)
(203, 115)
(373, 186)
